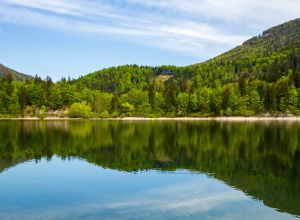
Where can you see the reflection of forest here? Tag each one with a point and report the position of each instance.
(260, 159)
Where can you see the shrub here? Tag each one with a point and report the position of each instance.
(79, 110)
(43, 112)
(127, 108)
(30, 111)
(104, 114)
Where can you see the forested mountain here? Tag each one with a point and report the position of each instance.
(6, 72)
(259, 77)
(267, 56)
(276, 39)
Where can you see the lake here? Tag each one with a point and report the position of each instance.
(149, 170)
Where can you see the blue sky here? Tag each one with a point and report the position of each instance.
(74, 37)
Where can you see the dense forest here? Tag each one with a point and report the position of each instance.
(260, 77)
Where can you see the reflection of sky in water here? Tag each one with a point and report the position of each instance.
(78, 190)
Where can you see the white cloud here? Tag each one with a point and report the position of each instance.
(231, 11)
(192, 26)
(181, 199)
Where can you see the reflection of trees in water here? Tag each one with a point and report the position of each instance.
(262, 159)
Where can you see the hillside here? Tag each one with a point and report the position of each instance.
(4, 71)
(260, 77)
(267, 56)
(276, 39)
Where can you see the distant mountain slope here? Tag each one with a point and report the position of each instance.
(122, 79)
(265, 57)
(276, 39)
(283, 35)
(4, 71)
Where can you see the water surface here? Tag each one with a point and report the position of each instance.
(149, 170)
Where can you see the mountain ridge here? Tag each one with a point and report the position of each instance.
(5, 71)
(266, 36)
(281, 35)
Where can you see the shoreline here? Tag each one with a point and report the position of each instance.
(221, 118)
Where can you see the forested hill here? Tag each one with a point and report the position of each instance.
(259, 77)
(6, 72)
(276, 39)
(266, 56)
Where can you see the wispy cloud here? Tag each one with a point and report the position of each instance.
(147, 27)
(232, 11)
(175, 200)
(191, 26)
(190, 205)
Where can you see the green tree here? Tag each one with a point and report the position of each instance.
(14, 107)
(151, 93)
(102, 102)
(127, 108)
(293, 100)
(270, 102)
(80, 110)
(256, 102)
(22, 98)
(42, 112)
(183, 103)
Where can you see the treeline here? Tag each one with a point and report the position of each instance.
(257, 86)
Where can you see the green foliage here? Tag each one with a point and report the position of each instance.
(79, 110)
(256, 103)
(127, 108)
(183, 101)
(30, 111)
(102, 103)
(42, 112)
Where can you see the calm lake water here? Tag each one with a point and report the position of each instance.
(149, 170)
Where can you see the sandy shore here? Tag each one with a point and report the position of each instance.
(288, 118)
(212, 119)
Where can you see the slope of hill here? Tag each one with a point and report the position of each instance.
(121, 79)
(4, 71)
(276, 39)
(267, 56)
